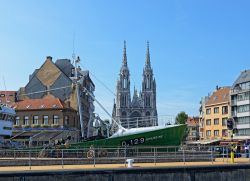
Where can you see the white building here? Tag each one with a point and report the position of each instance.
(240, 105)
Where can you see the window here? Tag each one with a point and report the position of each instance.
(243, 108)
(216, 110)
(243, 120)
(216, 121)
(208, 133)
(224, 133)
(208, 111)
(224, 121)
(55, 119)
(147, 82)
(72, 72)
(193, 133)
(245, 85)
(216, 132)
(224, 109)
(45, 120)
(208, 122)
(124, 100)
(124, 83)
(26, 120)
(66, 120)
(17, 121)
(35, 120)
(148, 101)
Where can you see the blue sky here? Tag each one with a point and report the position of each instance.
(194, 45)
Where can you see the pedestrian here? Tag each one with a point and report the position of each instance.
(246, 148)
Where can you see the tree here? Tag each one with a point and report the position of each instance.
(181, 118)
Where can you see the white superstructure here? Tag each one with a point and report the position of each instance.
(7, 116)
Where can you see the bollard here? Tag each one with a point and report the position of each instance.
(130, 163)
(154, 157)
(62, 159)
(29, 160)
(232, 157)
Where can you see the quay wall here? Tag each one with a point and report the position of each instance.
(239, 172)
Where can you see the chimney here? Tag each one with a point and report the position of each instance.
(48, 90)
(68, 104)
(49, 58)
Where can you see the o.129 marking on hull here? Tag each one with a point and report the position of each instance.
(132, 142)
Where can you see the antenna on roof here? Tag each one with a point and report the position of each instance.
(5, 90)
(73, 54)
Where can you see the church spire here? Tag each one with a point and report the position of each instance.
(124, 60)
(148, 64)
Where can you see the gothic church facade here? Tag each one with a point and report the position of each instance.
(140, 111)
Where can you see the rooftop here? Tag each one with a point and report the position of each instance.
(244, 77)
(220, 95)
(48, 102)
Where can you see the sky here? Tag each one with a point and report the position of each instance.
(194, 45)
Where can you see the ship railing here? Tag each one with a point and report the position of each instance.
(93, 156)
(146, 121)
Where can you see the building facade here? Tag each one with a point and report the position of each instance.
(217, 112)
(240, 104)
(140, 111)
(48, 112)
(57, 79)
(8, 97)
(202, 111)
(193, 128)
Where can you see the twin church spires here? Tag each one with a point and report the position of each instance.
(141, 110)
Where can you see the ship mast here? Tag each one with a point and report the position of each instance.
(120, 127)
(78, 97)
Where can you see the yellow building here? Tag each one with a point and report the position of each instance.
(217, 111)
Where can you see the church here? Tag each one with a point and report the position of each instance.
(140, 111)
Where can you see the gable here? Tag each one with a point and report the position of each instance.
(48, 73)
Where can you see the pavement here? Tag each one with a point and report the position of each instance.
(217, 162)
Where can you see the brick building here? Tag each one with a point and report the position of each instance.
(7, 97)
(193, 128)
(46, 112)
(57, 79)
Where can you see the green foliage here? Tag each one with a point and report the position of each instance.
(181, 118)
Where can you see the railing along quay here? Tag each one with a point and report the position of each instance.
(94, 156)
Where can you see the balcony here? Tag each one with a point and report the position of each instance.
(233, 102)
(234, 113)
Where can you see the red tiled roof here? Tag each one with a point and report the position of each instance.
(48, 102)
(219, 96)
(192, 121)
(7, 92)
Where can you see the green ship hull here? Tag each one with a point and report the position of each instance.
(157, 136)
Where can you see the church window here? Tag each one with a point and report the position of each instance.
(124, 83)
(147, 86)
(148, 101)
(124, 100)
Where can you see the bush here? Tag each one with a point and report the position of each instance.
(17, 126)
(55, 125)
(45, 125)
(35, 126)
(25, 126)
